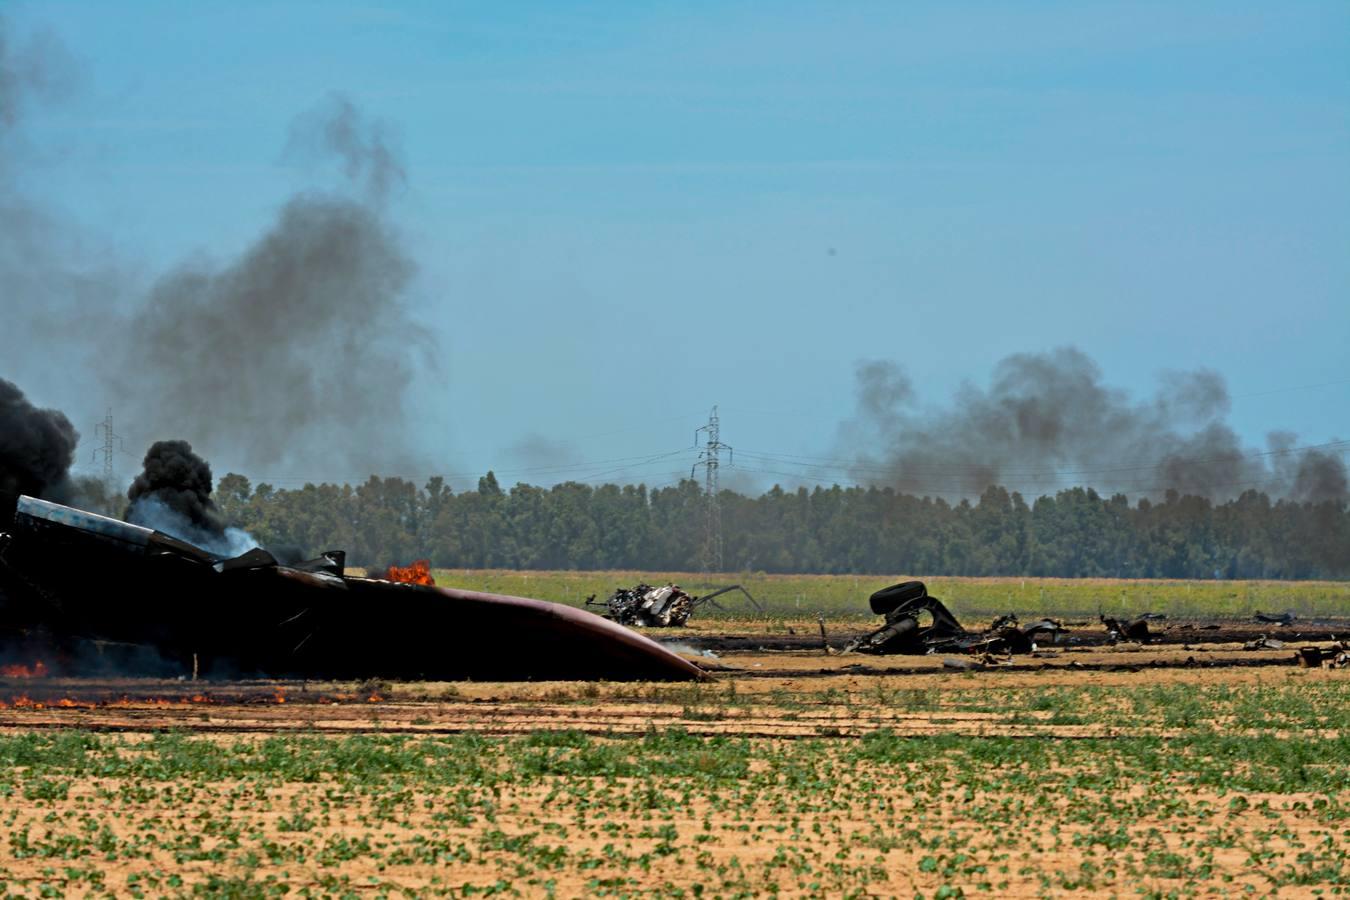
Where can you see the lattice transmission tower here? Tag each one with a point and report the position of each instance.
(709, 457)
(112, 442)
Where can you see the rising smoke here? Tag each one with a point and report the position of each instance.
(58, 287)
(1048, 421)
(37, 447)
(262, 360)
(173, 495)
(271, 357)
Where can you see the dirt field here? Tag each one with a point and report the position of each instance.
(1188, 767)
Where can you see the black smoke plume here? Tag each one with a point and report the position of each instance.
(37, 448)
(173, 495)
(180, 480)
(269, 358)
(263, 358)
(1048, 421)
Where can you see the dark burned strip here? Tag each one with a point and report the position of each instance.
(974, 665)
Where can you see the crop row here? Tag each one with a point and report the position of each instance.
(1253, 798)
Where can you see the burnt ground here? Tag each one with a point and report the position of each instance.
(753, 664)
(1078, 633)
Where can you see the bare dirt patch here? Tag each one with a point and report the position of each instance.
(1104, 770)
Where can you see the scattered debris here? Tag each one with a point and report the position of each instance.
(649, 607)
(918, 623)
(1283, 619)
(1310, 657)
(667, 606)
(1263, 643)
(1336, 657)
(1133, 630)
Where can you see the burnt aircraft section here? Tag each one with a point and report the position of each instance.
(668, 606)
(918, 623)
(91, 592)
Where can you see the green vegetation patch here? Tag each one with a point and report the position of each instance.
(1243, 788)
(844, 597)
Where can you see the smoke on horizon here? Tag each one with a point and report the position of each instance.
(1048, 421)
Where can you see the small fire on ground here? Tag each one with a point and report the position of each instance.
(417, 573)
(36, 670)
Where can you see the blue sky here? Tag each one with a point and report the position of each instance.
(624, 213)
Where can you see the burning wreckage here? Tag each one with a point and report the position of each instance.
(668, 606)
(90, 593)
(918, 623)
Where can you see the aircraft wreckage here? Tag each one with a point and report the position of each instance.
(668, 606)
(919, 623)
(100, 594)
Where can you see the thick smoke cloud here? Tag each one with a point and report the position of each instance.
(265, 360)
(181, 480)
(272, 358)
(173, 495)
(1047, 421)
(37, 448)
(1307, 476)
(58, 286)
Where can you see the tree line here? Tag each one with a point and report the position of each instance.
(865, 530)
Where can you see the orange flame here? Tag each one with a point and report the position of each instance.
(417, 573)
(37, 670)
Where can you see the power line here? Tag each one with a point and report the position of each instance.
(829, 468)
(561, 468)
(1297, 387)
(1105, 490)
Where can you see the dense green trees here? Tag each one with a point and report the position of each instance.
(1075, 533)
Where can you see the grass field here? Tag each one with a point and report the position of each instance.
(844, 597)
(1093, 770)
(1204, 784)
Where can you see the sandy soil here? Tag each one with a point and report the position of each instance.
(873, 829)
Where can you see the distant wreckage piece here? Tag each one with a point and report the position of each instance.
(667, 606)
(918, 623)
(1129, 630)
(94, 594)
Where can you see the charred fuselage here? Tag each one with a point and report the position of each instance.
(81, 584)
